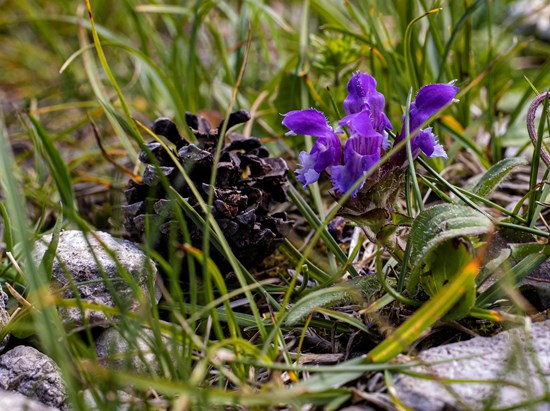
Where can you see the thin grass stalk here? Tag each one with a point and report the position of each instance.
(467, 143)
(109, 73)
(304, 102)
(540, 77)
(411, 66)
(206, 264)
(412, 171)
(294, 255)
(404, 267)
(314, 221)
(452, 188)
(492, 205)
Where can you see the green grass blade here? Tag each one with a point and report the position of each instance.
(108, 71)
(56, 164)
(522, 269)
(412, 171)
(316, 224)
(8, 235)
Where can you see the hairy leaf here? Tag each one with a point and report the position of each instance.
(353, 290)
(438, 224)
(495, 175)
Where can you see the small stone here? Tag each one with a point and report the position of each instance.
(33, 374)
(122, 400)
(14, 401)
(83, 262)
(511, 356)
(115, 351)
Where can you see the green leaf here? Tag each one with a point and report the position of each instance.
(20, 326)
(354, 290)
(441, 266)
(327, 297)
(438, 224)
(495, 175)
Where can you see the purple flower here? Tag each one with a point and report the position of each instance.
(327, 150)
(430, 99)
(365, 121)
(360, 155)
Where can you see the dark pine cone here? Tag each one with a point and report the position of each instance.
(248, 181)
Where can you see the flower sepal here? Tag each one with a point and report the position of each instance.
(372, 207)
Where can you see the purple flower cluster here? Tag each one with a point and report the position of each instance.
(366, 123)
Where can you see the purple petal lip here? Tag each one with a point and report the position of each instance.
(426, 141)
(327, 150)
(360, 124)
(360, 155)
(363, 95)
(309, 122)
(429, 100)
(307, 174)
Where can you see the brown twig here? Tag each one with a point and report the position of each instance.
(129, 173)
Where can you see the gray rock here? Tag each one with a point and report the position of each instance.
(84, 263)
(129, 354)
(33, 374)
(517, 362)
(4, 318)
(14, 401)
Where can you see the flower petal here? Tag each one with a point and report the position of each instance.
(430, 99)
(310, 122)
(362, 94)
(327, 151)
(359, 124)
(360, 154)
(364, 97)
(426, 141)
(307, 174)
